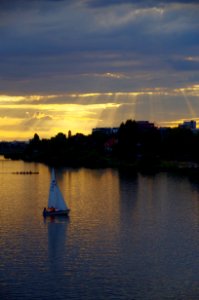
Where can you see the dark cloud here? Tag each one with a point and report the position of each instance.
(185, 65)
(60, 46)
(23, 4)
(140, 3)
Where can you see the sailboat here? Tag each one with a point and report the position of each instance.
(56, 203)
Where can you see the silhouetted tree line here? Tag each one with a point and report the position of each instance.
(133, 145)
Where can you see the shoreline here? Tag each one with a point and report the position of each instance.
(138, 166)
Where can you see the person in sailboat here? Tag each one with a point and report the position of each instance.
(52, 209)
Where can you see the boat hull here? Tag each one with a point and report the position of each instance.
(47, 213)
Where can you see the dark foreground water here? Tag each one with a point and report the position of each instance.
(128, 237)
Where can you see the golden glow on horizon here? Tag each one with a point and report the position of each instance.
(47, 119)
(175, 123)
(22, 116)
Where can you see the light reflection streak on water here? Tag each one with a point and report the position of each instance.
(127, 237)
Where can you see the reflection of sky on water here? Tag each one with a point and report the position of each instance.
(127, 236)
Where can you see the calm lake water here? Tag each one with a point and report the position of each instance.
(127, 237)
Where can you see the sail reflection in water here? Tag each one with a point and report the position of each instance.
(57, 230)
(127, 237)
(57, 257)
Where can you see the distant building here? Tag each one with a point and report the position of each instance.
(189, 125)
(105, 130)
(145, 125)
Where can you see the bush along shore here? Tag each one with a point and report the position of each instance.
(133, 147)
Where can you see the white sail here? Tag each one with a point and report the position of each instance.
(60, 203)
(52, 197)
(55, 198)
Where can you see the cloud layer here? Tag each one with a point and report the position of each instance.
(51, 47)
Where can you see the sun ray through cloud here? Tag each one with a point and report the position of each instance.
(80, 112)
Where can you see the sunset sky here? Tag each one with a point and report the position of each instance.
(78, 64)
